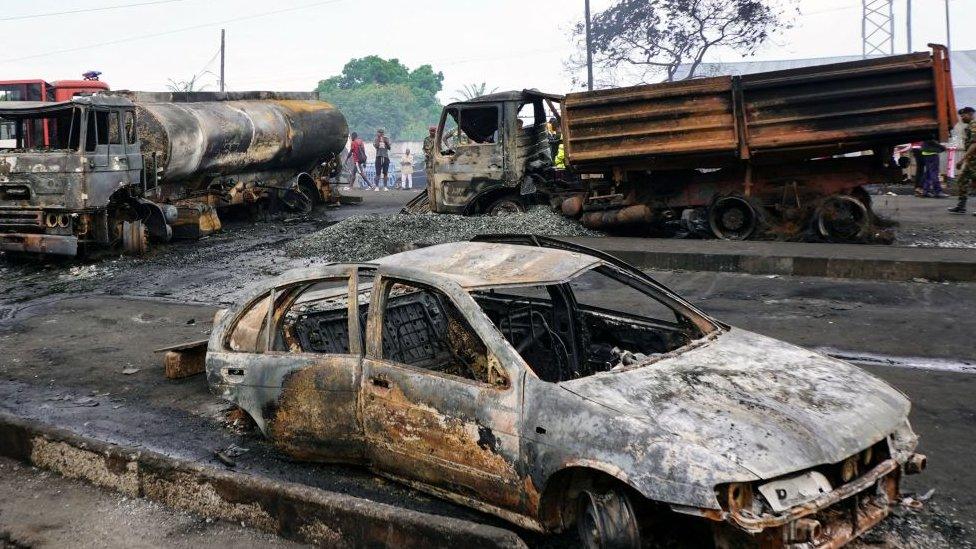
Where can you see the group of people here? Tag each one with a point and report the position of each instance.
(927, 154)
(383, 147)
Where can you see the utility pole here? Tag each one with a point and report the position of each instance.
(589, 50)
(908, 18)
(948, 27)
(222, 34)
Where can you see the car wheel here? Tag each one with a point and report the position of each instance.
(506, 206)
(607, 521)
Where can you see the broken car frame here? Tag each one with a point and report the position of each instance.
(125, 167)
(495, 374)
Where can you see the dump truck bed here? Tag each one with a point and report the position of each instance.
(766, 117)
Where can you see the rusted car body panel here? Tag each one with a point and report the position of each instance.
(722, 407)
(771, 117)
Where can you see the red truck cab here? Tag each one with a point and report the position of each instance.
(42, 91)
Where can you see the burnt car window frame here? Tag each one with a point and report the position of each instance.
(637, 283)
(294, 289)
(384, 281)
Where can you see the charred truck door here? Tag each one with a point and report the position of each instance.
(469, 157)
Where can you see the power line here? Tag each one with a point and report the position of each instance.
(86, 10)
(173, 31)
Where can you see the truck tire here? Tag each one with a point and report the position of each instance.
(732, 218)
(506, 205)
(842, 218)
(607, 520)
(134, 238)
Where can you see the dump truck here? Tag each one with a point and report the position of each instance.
(129, 168)
(733, 157)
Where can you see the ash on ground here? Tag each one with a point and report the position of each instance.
(931, 527)
(363, 238)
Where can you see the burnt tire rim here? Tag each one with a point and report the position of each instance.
(843, 218)
(507, 206)
(607, 521)
(134, 239)
(732, 218)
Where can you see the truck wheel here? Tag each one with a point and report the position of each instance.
(134, 239)
(607, 521)
(506, 205)
(732, 218)
(843, 219)
(297, 200)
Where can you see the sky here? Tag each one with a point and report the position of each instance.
(289, 45)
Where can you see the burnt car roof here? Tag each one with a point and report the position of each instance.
(483, 264)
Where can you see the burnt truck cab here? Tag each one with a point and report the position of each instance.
(487, 152)
(56, 186)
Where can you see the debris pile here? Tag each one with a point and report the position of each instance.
(367, 237)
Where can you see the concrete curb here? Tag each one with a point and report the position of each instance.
(294, 511)
(794, 259)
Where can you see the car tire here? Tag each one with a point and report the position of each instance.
(607, 520)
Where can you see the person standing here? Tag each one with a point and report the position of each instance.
(406, 170)
(931, 183)
(357, 152)
(919, 162)
(382, 146)
(429, 142)
(967, 163)
(555, 137)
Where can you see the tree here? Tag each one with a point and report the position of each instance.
(672, 37)
(183, 85)
(373, 92)
(470, 91)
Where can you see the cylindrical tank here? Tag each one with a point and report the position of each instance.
(227, 137)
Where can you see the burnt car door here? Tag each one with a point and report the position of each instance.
(439, 408)
(292, 359)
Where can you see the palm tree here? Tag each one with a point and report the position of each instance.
(470, 91)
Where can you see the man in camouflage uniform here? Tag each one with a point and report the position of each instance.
(429, 143)
(966, 164)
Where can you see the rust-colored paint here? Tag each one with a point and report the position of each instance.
(715, 122)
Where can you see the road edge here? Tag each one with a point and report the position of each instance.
(291, 510)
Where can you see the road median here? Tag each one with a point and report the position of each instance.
(295, 511)
(891, 263)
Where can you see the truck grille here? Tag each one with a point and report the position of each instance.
(19, 219)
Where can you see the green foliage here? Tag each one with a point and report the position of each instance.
(470, 91)
(383, 93)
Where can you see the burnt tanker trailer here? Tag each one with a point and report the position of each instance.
(132, 167)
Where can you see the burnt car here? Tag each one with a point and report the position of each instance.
(554, 385)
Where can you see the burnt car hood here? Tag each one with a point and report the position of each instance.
(768, 406)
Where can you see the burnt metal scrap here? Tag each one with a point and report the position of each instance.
(495, 374)
(132, 167)
(783, 153)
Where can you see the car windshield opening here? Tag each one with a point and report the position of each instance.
(602, 320)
